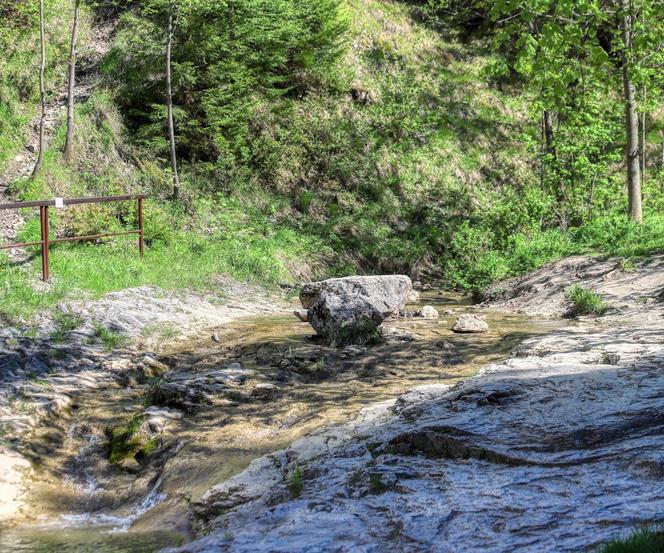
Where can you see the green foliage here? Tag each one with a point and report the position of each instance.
(64, 324)
(125, 439)
(584, 302)
(110, 339)
(295, 484)
(643, 540)
(376, 484)
(370, 135)
(364, 332)
(230, 62)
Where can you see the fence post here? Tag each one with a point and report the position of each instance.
(141, 244)
(43, 215)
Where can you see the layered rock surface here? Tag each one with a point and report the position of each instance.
(558, 448)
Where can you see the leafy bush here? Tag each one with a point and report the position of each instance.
(584, 302)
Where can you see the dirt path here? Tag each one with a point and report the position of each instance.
(558, 448)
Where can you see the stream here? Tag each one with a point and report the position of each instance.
(284, 385)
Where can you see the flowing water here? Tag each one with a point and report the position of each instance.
(80, 502)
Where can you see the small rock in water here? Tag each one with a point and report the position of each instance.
(264, 390)
(428, 312)
(414, 296)
(130, 465)
(610, 359)
(302, 314)
(468, 323)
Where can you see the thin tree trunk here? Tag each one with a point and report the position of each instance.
(644, 96)
(643, 146)
(551, 151)
(169, 93)
(591, 197)
(42, 91)
(631, 121)
(69, 141)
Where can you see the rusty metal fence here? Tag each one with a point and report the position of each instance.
(45, 242)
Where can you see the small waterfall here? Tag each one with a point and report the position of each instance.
(114, 523)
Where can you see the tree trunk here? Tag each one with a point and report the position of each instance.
(642, 145)
(72, 85)
(551, 151)
(631, 121)
(169, 94)
(42, 91)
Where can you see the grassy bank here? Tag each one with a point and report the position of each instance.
(237, 243)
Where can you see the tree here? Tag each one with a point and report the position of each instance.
(631, 117)
(570, 53)
(169, 101)
(67, 152)
(42, 91)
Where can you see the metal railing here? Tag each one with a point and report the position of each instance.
(45, 242)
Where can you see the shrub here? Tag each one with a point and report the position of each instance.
(584, 302)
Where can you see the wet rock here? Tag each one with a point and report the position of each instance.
(152, 368)
(265, 390)
(229, 375)
(469, 323)
(186, 395)
(387, 293)
(13, 468)
(158, 419)
(346, 319)
(254, 482)
(353, 351)
(428, 312)
(414, 296)
(130, 465)
(398, 335)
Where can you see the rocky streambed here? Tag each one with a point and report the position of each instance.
(542, 434)
(199, 410)
(560, 447)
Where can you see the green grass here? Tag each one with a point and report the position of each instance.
(643, 540)
(124, 440)
(64, 324)
(295, 484)
(186, 259)
(110, 339)
(584, 302)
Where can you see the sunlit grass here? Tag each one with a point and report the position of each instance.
(188, 260)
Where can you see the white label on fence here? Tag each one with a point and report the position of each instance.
(59, 203)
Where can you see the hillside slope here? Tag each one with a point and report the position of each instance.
(401, 152)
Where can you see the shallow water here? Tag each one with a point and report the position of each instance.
(79, 502)
(84, 539)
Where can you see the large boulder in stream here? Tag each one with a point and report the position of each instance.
(387, 293)
(350, 310)
(346, 319)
